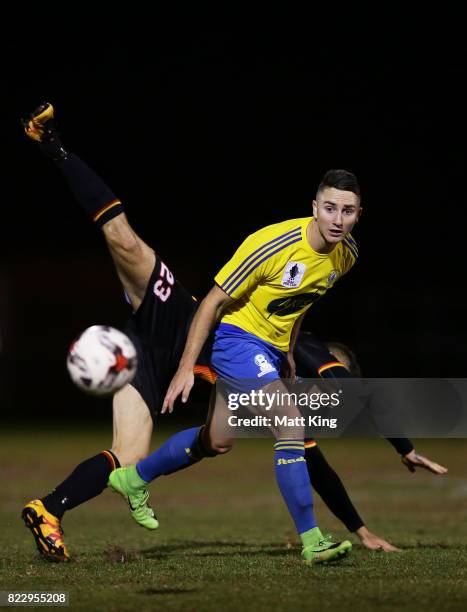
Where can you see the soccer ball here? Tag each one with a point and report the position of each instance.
(102, 360)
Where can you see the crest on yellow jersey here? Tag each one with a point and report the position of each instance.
(293, 274)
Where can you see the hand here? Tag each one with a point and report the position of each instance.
(289, 369)
(373, 542)
(182, 382)
(413, 460)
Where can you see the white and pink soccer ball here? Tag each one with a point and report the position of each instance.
(102, 360)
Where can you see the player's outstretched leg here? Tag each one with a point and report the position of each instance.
(133, 258)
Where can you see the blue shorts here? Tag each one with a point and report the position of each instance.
(245, 359)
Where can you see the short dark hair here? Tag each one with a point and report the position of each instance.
(354, 366)
(340, 179)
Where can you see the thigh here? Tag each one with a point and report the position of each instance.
(132, 426)
(134, 260)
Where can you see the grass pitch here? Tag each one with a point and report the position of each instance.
(226, 541)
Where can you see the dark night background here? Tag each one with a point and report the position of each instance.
(207, 134)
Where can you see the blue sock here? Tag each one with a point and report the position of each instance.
(294, 482)
(175, 454)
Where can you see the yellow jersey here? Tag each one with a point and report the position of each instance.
(275, 276)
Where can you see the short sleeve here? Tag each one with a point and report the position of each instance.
(249, 266)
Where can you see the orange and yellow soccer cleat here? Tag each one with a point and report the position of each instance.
(47, 531)
(41, 127)
(36, 127)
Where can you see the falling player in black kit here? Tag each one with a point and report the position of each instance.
(162, 313)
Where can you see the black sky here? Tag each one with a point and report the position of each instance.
(210, 133)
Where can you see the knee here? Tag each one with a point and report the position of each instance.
(221, 447)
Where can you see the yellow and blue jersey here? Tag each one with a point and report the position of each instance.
(275, 276)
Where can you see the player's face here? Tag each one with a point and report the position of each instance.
(336, 212)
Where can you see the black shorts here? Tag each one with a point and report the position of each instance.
(159, 330)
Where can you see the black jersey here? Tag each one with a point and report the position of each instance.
(159, 329)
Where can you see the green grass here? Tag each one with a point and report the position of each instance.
(226, 541)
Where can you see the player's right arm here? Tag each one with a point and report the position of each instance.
(204, 320)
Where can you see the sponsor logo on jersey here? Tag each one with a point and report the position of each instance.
(264, 366)
(288, 305)
(293, 274)
(332, 278)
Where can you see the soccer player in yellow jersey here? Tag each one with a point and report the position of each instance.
(258, 301)
(273, 278)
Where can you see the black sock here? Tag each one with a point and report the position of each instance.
(87, 480)
(90, 191)
(88, 188)
(329, 487)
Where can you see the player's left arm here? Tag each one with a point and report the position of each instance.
(414, 460)
(411, 459)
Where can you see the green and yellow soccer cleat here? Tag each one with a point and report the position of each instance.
(47, 532)
(127, 482)
(325, 551)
